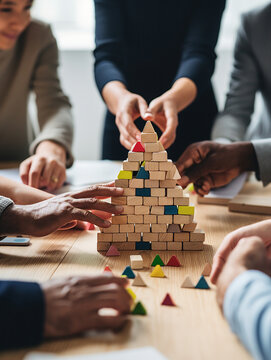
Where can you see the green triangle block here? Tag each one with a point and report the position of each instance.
(139, 309)
(157, 261)
(202, 284)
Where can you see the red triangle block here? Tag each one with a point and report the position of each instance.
(138, 147)
(168, 301)
(107, 269)
(173, 261)
(112, 251)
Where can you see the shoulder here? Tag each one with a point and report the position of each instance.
(38, 34)
(256, 22)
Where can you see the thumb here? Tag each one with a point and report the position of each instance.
(169, 135)
(142, 107)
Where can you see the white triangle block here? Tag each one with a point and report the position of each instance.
(187, 283)
(148, 128)
(138, 281)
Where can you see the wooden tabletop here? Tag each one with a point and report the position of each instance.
(195, 329)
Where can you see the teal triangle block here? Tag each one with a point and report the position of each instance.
(202, 283)
(129, 272)
(143, 174)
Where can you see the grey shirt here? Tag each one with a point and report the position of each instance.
(32, 66)
(251, 74)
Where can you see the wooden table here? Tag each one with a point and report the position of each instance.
(195, 329)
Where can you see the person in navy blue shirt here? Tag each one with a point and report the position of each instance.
(154, 61)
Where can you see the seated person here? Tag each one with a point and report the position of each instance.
(213, 164)
(29, 311)
(241, 270)
(28, 62)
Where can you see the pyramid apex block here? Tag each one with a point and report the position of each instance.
(138, 281)
(128, 272)
(202, 284)
(139, 309)
(168, 301)
(174, 261)
(157, 261)
(112, 251)
(187, 283)
(148, 128)
(157, 272)
(207, 270)
(138, 147)
(143, 174)
(107, 269)
(123, 174)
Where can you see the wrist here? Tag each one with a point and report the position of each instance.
(113, 92)
(10, 221)
(51, 148)
(247, 159)
(183, 93)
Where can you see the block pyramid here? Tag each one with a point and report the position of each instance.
(157, 215)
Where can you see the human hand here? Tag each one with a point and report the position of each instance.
(45, 169)
(249, 254)
(261, 229)
(45, 217)
(73, 304)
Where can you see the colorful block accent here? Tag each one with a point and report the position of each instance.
(129, 272)
(157, 261)
(143, 192)
(186, 210)
(138, 147)
(143, 245)
(143, 174)
(202, 284)
(139, 309)
(174, 261)
(125, 175)
(157, 272)
(168, 301)
(170, 210)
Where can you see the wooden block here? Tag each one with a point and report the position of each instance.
(174, 246)
(125, 174)
(165, 201)
(135, 219)
(148, 128)
(151, 183)
(158, 192)
(103, 246)
(134, 200)
(167, 183)
(159, 228)
(197, 235)
(123, 183)
(150, 237)
(131, 165)
(193, 246)
(120, 237)
(152, 166)
(136, 262)
(182, 201)
(157, 210)
(127, 228)
(112, 229)
(134, 237)
(159, 156)
(135, 156)
(173, 173)
(143, 192)
(142, 210)
(182, 219)
(128, 210)
(171, 210)
(165, 219)
(182, 236)
(175, 192)
(157, 175)
(104, 237)
(118, 200)
(119, 219)
(150, 219)
(251, 203)
(186, 210)
(142, 173)
(166, 165)
(174, 228)
(136, 183)
(152, 147)
(148, 138)
(190, 227)
(150, 201)
(159, 246)
(166, 237)
(128, 192)
(125, 246)
(142, 228)
(147, 156)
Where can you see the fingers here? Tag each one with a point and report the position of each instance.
(93, 203)
(24, 170)
(142, 106)
(97, 191)
(169, 135)
(36, 170)
(97, 280)
(87, 216)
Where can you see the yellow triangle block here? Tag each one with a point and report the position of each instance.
(148, 128)
(157, 272)
(131, 293)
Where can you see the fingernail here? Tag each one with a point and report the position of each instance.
(185, 179)
(119, 208)
(119, 189)
(107, 223)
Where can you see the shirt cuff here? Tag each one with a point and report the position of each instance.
(263, 150)
(222, 140)
(4, 203)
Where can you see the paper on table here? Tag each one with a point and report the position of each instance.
(12, 174)
(134, 354)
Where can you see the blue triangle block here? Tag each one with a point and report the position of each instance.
(202, 283)
(143, 174)
(129, 272)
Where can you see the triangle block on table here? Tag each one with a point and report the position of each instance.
(207, 270)
(107, 269)
(148, 128)
(187, 283)
(112, 251)
(157, 261)
(138, 281)
(138, 147)
(168, 301)
(129, 272)
(131, 293)
(139, 309)
(174, 261)
(202, 284)
(157, 272)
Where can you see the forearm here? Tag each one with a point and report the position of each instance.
(112, 93)
(183, 93)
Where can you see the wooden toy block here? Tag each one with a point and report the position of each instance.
(103, 246)
(148, 128)
(123, 183)
(142, 173)
(159, 156)
(174, 261)
(165, 237)
(173, 173)
(157, 228)
(121, 237)
(119, 219)
(193, 245)
(134, 200)
(176, 246)
(157, 272)
(135, 156)
(143, 192)
(186, 210)
(150, 201)
(150, 237)
(125, 174)
(182, 219)
(187, 283)
(139, 309)
(164, 219)
(142, 210)
(165, 165)
(127, 228)
(157, 175)
(128, 210)
(181, 201)
(119, 200)
(102, 237)
(167, 183)
(152, 166)
(130, 291)
(134, 237)
(143, 245)
(182, 236)
(136, 183)
(138, 147)
(136, 262)
(142, 228)
(158, 192)
(161, 147)
(130, 165)
(168, 301)
(157, 261)
(148, 138)
(197, 235)
(151, 183)
(150, 219)
(135, 219)
(147, 156)
(128, 192)
(112, 229)
(138, 281)
(112, 251)
(170, 210)
(157, 210)
(143, 164)
(190, 227)
(107, 268)
(125, 246)
(129, 272)
(202, 284)
(159, 246)
(176, 192)
(152, 147)
(207, 270)
(165, 201)
(174, 228)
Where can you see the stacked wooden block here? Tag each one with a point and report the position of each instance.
(157, 214)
